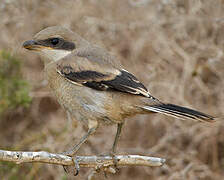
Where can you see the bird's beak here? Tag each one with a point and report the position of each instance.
(33, 45)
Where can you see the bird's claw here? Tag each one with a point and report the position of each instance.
(77, 167)
(76, 164)
(115, 160)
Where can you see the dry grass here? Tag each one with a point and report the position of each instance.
(174, 47)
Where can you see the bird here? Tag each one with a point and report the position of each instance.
(92, 85)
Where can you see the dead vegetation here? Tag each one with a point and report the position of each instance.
(174, 47)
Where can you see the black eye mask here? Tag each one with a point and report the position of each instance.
(57, 43)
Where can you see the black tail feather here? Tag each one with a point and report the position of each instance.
(179, 112)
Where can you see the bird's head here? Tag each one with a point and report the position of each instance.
(54, 43)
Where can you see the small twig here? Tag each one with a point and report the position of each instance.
(84, 161)
(186, 170)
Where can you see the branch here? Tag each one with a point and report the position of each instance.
(84, 161)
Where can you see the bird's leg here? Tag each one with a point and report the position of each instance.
(92, 128)
(114, 147)
(118, 134)
(72, 151)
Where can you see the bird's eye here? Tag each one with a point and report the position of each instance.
(54, 41)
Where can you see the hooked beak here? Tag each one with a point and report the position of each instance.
(33, 45)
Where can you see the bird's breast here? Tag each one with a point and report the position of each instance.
(82, 102)
(85, 103)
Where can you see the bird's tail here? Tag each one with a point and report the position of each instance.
(179, 112)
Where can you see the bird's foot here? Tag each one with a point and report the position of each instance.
(115, 160)
(71, 169)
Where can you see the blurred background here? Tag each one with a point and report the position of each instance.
(175, 47)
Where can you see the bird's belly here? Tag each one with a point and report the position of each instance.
(82, 102)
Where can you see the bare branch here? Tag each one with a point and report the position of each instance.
(84, 161)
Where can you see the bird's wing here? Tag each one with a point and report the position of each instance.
(84, 72)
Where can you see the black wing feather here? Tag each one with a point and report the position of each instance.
(124, 82)
(81, 76)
